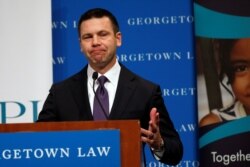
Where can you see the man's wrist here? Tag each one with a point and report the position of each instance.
(160, 148)
(158, 152)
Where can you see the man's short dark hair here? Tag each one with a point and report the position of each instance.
(98, 13)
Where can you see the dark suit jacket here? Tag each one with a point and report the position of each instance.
(135, 96)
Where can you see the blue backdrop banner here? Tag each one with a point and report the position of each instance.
(157, 44)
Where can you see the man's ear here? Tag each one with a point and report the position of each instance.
(118, 36)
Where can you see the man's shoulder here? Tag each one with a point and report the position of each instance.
(75, 78)
(136, 77)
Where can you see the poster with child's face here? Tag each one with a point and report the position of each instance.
(223, 79)
(223, 82)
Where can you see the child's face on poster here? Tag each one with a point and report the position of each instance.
(240, 61)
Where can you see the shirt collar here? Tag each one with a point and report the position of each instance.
(112, 74)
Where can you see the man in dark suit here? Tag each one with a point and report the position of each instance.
(130, 96)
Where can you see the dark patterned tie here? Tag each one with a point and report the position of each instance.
(102, 106)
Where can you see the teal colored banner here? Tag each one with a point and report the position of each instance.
(213, 24)
(226, 130)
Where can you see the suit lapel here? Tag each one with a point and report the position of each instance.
(80, 94)
(125, 88)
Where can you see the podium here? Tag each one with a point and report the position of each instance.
(129, 131)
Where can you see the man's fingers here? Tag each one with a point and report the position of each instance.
(146, 133)
(153, 115)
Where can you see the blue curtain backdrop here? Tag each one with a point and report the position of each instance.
(157, 44)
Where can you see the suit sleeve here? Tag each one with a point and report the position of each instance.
(48, 112)
(173, 146)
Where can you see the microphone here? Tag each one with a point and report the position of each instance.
(95, 76)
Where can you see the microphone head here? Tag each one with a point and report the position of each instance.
(95, 75)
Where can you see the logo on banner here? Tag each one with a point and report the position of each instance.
(134, 21)
(165, 20)
(38, 153)
(154, 56)
(64, 24)
(79, 148)
(11, 110)
(58, 60)
(191, 91)
(184, 163)
(191, 127)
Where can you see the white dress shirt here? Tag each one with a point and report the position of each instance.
(111, 86)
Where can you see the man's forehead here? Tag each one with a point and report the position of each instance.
(97, 20)
(96, 24)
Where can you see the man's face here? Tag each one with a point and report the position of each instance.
(240, 60)
(98, 41)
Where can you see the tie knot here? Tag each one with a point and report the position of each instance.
(102, 79)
